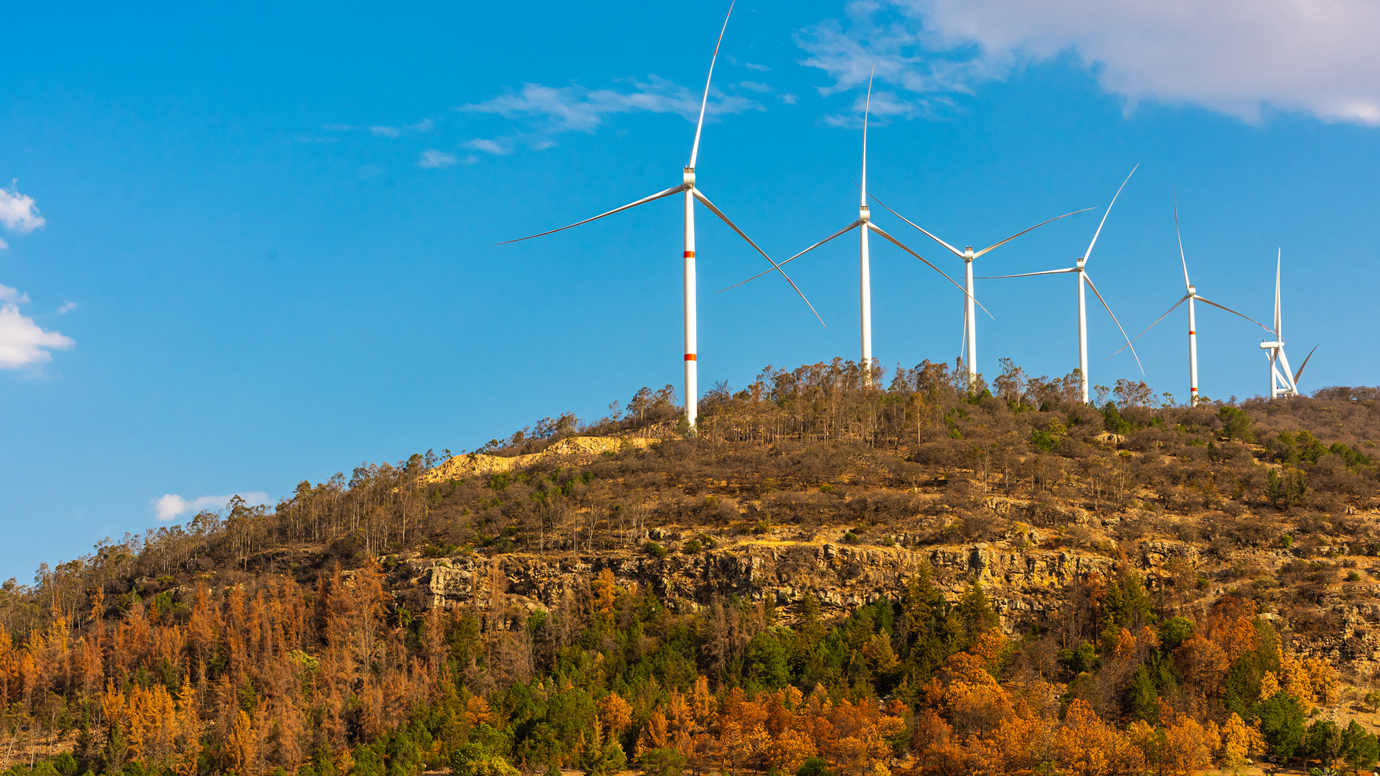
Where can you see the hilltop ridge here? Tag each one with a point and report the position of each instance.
(625, 592)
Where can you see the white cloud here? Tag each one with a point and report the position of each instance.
(23, 342)
(385, 131)
(1315, 57)
(754, 86)
(18, 211)
(3, 245)
(170, 506)
(12, 296)
(576, 108)
(67, 307)
(754, 66)
(498, 147)
(790, 99)
(431, 158)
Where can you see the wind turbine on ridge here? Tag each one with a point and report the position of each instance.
(692, 193)
(1080, 269)
(969, 349)
(1282, 383)
(863, 225)
(1190, 296)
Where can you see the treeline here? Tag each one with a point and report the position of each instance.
(271, 678)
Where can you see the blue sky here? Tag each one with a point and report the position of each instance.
(250, 245)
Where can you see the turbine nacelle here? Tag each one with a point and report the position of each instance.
(1192, 291)
(687, 177)
(968, 254)
(1271, 345)
(864, 215)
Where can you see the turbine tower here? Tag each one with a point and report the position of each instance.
(863, 225)
(692, 193)
(969, 349)
(1190, 296)
(1282, 383)
(1080, 269)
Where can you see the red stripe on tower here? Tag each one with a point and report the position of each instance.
(689, 254)
(1193, 390)
(1192, 332)
(690, 357)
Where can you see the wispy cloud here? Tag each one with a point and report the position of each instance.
(171, 506)
(67, 307)
(433, 159)
(755, 66)
(546, 111)
(754, 86)
(23, 343)
(1240, 59)
(18, 212)
(500, 147)
(380, 130)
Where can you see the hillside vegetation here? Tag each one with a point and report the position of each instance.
(826, 578)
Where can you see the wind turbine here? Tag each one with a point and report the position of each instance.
(967, 254)
(1282, 383)
(1080, 269)
(692, 193)
(1190, 296)
(863, 225)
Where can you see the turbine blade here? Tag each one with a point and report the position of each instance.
(1181, 240)
(867, 109)
(1205, 300)
(643, 201)
(1114, 320)
(1088, 253)
(1279, 325)
(902, 246)
(793, 258)
(1288, 370)
(1029, 274)
(695, 149)
(1037, 226)
(1303, 366)
(963, 348)
(1151, 326)
(951, 248)
(702, 198)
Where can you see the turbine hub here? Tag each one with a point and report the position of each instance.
(687, 176)
(968, 253)
(864, 214)
(1192, 291)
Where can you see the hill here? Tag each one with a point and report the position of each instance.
(826, 577)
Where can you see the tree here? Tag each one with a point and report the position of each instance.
(1281, 722)
(1360, 747)
(1324, 741)
(1239, 741)
(661, 762)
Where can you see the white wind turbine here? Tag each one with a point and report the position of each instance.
(1190, 296)
(1080, 269)
(692, 193)
(969, 349)
(1282, 383)
(863, 225)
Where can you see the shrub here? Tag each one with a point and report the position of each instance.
(655, 550)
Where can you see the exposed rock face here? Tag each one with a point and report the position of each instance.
(1022, 584)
